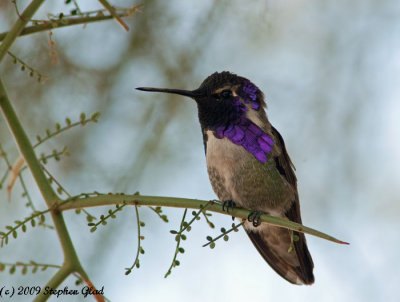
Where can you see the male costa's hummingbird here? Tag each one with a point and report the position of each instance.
(248, 165)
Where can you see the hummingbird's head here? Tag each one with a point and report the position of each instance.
(221, 98)
(226, 88)
(230, 106)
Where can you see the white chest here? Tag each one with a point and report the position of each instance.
(225, 158)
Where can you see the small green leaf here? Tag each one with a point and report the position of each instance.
(226, 237)
(24, 270)
(78, 281)
(93, 229)
(12, 269)
(173, 232)
(82, 117)
(183, 236)
(212, 245)
(95, 116)
(209, 238)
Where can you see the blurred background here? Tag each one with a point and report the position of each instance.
(330, 72)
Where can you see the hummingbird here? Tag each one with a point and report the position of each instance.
(248, 166)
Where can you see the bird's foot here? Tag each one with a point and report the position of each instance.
(254, 217)
(228, 205)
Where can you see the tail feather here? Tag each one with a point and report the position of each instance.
(273, 244)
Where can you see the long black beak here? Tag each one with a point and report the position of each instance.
(189, 93)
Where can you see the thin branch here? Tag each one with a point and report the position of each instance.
(34, 265)
(112, 11)
(18, 27)
(139, 249)
(83, 121)
(224, 233)
(54, 282)
(26, 193)
(178, 238)
(25, 147)
(158, 211)
(9, 166)
(86, 200)
(71, 260)
(25, 66)
(60, 188)
(58, 23)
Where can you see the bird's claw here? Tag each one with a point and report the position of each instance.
(228, 205)
(254, 217)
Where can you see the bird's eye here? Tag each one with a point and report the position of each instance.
(226, 94)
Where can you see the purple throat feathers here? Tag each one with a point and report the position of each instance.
(244, 132)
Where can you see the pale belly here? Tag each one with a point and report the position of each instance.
(237, 175)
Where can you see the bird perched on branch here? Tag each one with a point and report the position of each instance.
(249, 166)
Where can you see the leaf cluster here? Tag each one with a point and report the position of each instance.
(32, 220)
